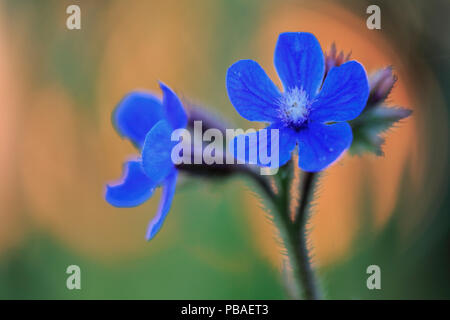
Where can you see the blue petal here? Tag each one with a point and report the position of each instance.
(344, 94)
(251, 92)
(136, 114)
(299, 62)
(156, 152)
(320, 144)
(134, 189)
(164, 205)
(175, 113)
(258, 140)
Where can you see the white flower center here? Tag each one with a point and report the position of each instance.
(294, 106)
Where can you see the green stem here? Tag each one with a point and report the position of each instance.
(293, 232)
(306, 273)
(295, 235)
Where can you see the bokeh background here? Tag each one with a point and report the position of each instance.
(58, 149)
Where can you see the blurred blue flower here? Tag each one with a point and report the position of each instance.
(311, 112)
(148, 123)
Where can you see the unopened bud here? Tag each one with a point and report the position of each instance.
(381, 83)
(209, 120)
(335, 59)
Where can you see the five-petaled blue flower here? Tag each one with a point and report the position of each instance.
(148, 123)
(308, 112)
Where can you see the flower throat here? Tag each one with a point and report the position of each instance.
(294, 107)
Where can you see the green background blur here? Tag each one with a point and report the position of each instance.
(58, 89)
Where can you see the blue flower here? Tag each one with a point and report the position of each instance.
(311, 112)
(148, 123)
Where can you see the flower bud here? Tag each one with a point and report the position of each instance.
(209, 120)
(381, 83)
(333, 59)
(206, 168)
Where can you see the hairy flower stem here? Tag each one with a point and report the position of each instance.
(293, 232)
(309, 285)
